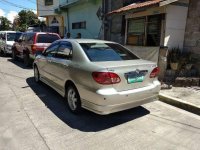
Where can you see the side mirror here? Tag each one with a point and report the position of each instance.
(16, 40)
(20, 40)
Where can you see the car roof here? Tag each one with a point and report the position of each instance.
(87, 41)
(10, 32)
(40, 33)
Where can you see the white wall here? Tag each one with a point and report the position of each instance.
(145, 52)
(175, 26)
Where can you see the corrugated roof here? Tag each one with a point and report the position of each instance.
(134, 6)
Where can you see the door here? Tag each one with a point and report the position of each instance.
(20, 45)
(60, 64)
(45, 65)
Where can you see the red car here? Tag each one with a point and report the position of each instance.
(31, 43)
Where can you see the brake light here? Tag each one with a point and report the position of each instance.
(154, 72)
(106, 77)
(35, 38)
(33, 48)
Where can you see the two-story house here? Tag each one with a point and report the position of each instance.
(54, 22)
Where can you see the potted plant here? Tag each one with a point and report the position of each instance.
(174, 55)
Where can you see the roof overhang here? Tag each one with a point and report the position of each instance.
(141, 6)
(166, 2)
(69, 4)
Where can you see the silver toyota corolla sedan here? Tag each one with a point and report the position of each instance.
(101, 76)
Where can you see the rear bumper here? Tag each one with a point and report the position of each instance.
(108, 101)
(108, 109)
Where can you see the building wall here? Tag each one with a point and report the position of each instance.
(114, 23)
(175, 25)
(84, 12)
(49, 14)
(46, 10)
(59, 24)
(192, 34)
(145, 52)
(69, 1)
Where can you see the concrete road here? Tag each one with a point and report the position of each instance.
(35, 117)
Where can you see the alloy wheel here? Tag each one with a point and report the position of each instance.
(72, 99)
(36, 74)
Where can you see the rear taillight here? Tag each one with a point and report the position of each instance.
(106, 77)
(33, 48)
(154, 72)
(34, 38)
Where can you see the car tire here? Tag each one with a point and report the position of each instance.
(14, 57)
(2, 53)
(26, 60)
(36, 74)
(73, 99)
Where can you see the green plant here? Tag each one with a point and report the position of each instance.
(174, 55)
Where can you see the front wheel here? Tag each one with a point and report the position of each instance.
(2, 53)
(73, 99)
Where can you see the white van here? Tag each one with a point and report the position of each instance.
(7, 39)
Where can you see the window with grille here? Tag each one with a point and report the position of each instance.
(136, 31)
(144, 31)
(48, 2)
(79, 25)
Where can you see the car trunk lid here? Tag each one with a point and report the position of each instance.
(133, 73)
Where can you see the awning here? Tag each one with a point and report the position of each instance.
(135, 5)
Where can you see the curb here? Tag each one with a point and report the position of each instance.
(179, 103)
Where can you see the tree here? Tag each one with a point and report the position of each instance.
(5, 24)
(25, 19)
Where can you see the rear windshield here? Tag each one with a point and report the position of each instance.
(13, 36)
(46, 38)
(107, 52)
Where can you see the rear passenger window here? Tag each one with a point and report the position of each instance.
(21, 36)
(24, 37)
(29, 37)
(64, 50)
(46, 38)
(51, 51)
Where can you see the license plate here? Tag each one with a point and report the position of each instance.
(135, 80)
(136, 76)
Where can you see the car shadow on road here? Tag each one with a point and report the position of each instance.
(86, 121)
(19, 63)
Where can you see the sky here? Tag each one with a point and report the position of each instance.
(10, 8)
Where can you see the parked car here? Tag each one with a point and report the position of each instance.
(6, 41)
(30, 44)
(101, 76)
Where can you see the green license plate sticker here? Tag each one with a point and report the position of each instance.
(135, 80)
